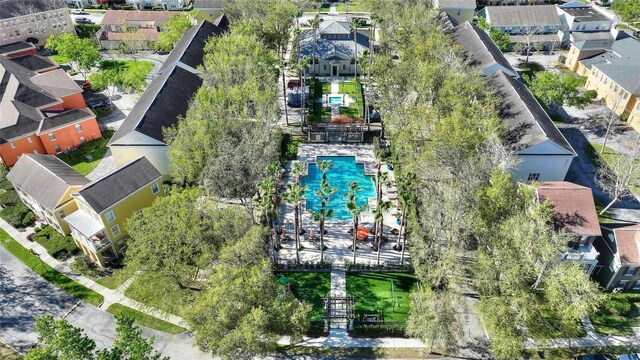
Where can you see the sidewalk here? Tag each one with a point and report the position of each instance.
(110, 296)
(593, 339)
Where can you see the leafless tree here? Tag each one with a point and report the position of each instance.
(607, 122)
(620, 174)
(527, 33)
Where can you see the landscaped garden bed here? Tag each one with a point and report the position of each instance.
(56, 244)
(13, 210)
(310, 287)
(618, 315)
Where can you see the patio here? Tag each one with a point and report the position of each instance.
(337, 239)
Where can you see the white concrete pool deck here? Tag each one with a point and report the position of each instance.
(337, 240)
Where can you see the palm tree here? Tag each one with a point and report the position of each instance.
(315, 22)
(406, 199)
(324, 194)
(302, 66)
(354, 28)
(378, 214)
(324, 166)
(295, 196)
(283, 66)
(298, 168)
(355, 211)
(267, 204)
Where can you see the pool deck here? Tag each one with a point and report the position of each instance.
(337, 240)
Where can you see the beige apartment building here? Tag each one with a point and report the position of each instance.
(33, 20)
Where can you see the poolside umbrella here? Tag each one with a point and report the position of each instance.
(283, 281)
(362, 233)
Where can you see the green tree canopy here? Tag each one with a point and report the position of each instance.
(556, 90)
(173, 30)
(82, 53)
(501, 38)
(627, 10)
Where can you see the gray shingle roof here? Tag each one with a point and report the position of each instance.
(14, 8)
(625, 75)
(523, 15)
(620, 62)
(585, 14)
(481, 52)
(525, 121)
(327, 49)
(169, 94)
(45, 178)
(455, 4)
(334, 27)
(207, 4)
(34, 62)
(109, 189)
(72, 116)
(14, 47)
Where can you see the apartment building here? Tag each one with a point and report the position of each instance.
(510, 2)
(458, 11)
(99, 225)
(208, 10)
(583, 23)
(44, 184)
(18, 49)
(125, 25)
(526, 24)
(620, 257)
(159, 4)
(33, 20)
(42, 110)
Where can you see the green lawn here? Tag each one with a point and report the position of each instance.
(143, 319)
(549, 326)
(373, 293)
(114, 281)
(7, 353)
(354, 6)
(612, 320)
(175, 301)
(47, 272)
(127, 65)
(87, 157)
(310, 287)
(59, 59)
(320, 113)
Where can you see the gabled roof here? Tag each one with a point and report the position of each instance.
(627, 76)
(621, 63)
(334, 27)
(120, 17)
(327, 49)
(111, 188)
(45, 178)
(523, 15)
(525, 121)
(35, 63)
(481, 52)
(207, 4)
(168, 96)
(628, 244)
(575, 210)
(456, 4)
(585, 14)
(14, 8)
(8, 49)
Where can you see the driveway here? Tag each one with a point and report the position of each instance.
(26, 295)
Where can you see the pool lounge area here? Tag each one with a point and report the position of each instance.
(357, 157)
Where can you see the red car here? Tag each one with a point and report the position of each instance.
(86, 86)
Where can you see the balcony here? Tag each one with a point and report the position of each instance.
(88, 230)
(581, 253)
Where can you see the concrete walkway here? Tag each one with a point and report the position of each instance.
(110, 296)
(105, 166)
(339, 288)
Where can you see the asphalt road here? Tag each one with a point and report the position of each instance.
(96, 18)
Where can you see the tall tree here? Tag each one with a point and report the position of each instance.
(173, 29)
(556, 90)
(323, 214)
(314, 23)
(382, 207)
(627, 10)
(619, 175)
(82, 53)
(355, 210)
(295, 196)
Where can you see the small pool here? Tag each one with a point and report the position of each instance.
(335, 100)
(344, 171)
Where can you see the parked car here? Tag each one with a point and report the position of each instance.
(86, 86)
(78, 11)
(98, 103)
(293, 84)
(83, 20)
(294, 102)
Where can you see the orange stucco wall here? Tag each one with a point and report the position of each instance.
(68, 137)
(75, 101)
(22, 146)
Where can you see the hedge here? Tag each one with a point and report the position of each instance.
(379, 330)
(57, 245)
(9, 197)
(16, 215)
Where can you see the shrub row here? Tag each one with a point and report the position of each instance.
(389, 267)
(310, 266)
(18, 215)
(56, 244)
(378, 330)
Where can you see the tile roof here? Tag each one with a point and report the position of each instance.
(14, 8)
(168, 96)
(45, 178)
(480, 50)
(119, 17)
(628, 242)
(525, 121)
(117, 185)
(575, 210)
(523, 15)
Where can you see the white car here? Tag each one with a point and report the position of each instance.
(78, 12)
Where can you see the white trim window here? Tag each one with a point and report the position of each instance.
(110, 216)
(115, 230)
(155, 188)
(630, 270)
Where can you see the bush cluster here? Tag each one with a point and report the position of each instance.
(83, 265)
(378, 330)
(17, 215)
(9, 197)
(56, 244)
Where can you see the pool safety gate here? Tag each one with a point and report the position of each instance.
(339, 312)
(336, 133)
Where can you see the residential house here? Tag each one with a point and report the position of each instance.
(526, 25)
(480, 51)
(575, 215)
(32, 21)
(165, 100)
(542, 151)
(42, 110)
(510, 2)
(208, 10)
(585, 23)
(18, 49)
(613, 70)
(118, 26)
(99, 225)
(619, 249)
(44, 184)
(159, 4)
(459, 11)
(336, 51)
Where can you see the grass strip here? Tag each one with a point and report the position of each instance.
(356, 352)
(146, 320)
(114, 281)
(51, 275)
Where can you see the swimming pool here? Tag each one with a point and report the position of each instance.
(344, 171)
(335, 100)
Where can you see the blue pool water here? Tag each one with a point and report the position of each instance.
(335, 100)
(344, 171)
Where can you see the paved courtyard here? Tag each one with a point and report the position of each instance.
(337, 240)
